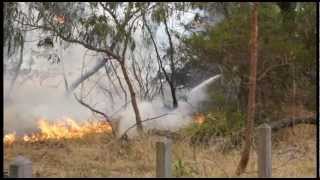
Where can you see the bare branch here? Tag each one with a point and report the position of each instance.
(270, 68)
(119, 81)
(110, 79)
(120, 108)
(92, 109)
(149, 119)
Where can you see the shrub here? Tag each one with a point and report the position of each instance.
(218, 123)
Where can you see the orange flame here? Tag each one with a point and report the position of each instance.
(66, 129)
(9, 138)
(199, 118)
(59, 19)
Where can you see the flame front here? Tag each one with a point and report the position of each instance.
(199, 118)
(65, 129)
(9, 138)
(59, 19)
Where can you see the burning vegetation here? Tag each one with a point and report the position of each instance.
(66, 128)
(199, 118)
(9, 138)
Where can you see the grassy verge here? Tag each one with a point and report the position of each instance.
(294, 155)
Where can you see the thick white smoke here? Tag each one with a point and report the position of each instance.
(174, 119)
(32, 101)
(41, 93)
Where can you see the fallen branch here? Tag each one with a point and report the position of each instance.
(277, 125)
(88, 74)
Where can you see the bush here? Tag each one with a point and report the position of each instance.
(286, 57)
(219, 123)
(180, 169)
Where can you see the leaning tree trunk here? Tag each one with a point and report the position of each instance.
(169, 80)
(172, 67)
(133, 97)
(173, 94)
(84, 77)
(252, 92)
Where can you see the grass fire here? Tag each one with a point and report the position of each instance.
(152, 89)
(66, 128)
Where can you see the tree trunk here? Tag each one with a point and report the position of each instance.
(172, 67)
(169, 80)
(252, 92)
(133, 97)
(173, 94)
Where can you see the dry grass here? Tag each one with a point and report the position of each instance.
(294, 155)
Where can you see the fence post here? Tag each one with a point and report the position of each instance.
(163, 158)
(21, 167)
(264, 151)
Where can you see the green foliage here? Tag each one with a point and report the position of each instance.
(86, 24)
(159, 14)
(180, 169)
(218, 123)
(286, 51)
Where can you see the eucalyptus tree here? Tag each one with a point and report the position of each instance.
(251, 109)
(106, 28)
(13, 39)
(161, 14)
(144, 71)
